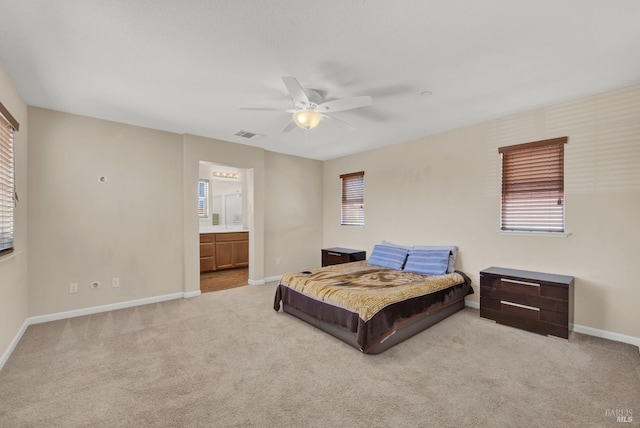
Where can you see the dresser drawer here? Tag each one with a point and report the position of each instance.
(542, 322)
(333, 258)
(511, 290)
(206, 249)
(207, 237)
(537, 294)
(519, 287)
(337, 255)
(521, 311)
(509, 307)
(232, 236)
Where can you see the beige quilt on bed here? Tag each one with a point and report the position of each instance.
(365, 289)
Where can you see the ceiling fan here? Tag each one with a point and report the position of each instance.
(309, 107)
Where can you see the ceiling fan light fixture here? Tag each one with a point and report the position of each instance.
(307, 119)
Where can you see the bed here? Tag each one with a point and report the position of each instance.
(371, 307)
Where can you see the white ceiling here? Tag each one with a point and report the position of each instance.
(188, 66)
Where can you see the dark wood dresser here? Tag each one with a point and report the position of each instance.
(533, 301)
(337, 255)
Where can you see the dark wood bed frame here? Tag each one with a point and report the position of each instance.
(401, 332)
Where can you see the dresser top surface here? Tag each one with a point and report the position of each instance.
(525, 274)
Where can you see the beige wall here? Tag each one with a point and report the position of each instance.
(82, 230)
(141, 225)
(445, 189)
(293, 207)
(13, 267)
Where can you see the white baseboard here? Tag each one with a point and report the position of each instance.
(103, 308)
(264, 281)
(472, 304)
(616, 337)
(190, 294)
(5, 356)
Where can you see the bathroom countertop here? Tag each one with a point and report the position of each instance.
(219, 229)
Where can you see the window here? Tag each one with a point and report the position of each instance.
(352, 199)
(7, 179)
(203, 198)
(533, 186)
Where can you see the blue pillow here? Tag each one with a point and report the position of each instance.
(431, 262)
(452, 255)
(389, 257)
(391, 244)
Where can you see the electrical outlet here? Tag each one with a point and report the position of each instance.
(73, 287)
(95, 285)
(278, 260)
(115, 282)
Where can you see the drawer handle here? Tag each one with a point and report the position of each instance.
(333, 254)
(517, 305)
(513, 281)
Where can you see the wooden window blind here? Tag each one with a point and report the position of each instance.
(203, 198)
(533, 186)
(352, 199)
(7, 180)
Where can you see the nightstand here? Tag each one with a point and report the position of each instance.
(337, 255)
(533, 301)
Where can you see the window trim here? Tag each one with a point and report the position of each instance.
(12, 125)
(524, 233)
(521, 178)
(12, 120)
(347, 198)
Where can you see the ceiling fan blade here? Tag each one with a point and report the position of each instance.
(339, 123)
(344, 104)
(295, 90)
(289, 126)
(262, 108)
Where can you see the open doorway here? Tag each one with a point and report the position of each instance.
(224, 226)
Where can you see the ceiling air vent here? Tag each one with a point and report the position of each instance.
(248, 135)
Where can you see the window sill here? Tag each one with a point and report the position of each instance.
(10, 256)
(547, 234)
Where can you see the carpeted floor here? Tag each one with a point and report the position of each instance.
(226, 359)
